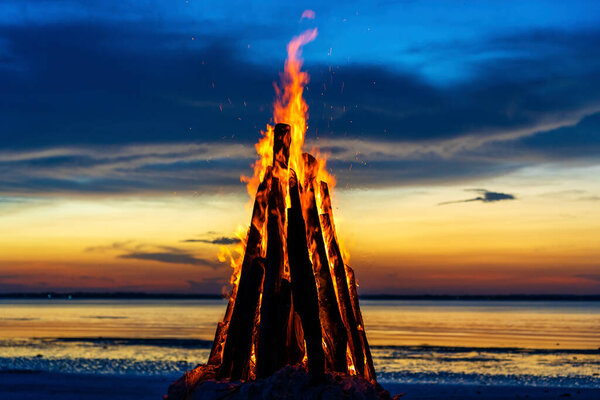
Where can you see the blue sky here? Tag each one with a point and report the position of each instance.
(104, 73)
(109, 109)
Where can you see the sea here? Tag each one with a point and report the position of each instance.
(483, 342)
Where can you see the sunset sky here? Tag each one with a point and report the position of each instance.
(465, 138)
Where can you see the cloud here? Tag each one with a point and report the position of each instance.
(486, 197)
(90, 108)
(150, 252)
(110, 247)
(224, 240)
(170, 258)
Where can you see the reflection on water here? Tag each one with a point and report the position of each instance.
(413, 341)
(541, 325)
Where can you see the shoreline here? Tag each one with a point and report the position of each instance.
(375, 296)
(30, 385)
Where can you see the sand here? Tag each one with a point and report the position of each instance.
(27, 385)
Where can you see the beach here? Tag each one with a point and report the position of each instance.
(133, 349)
(20, 385)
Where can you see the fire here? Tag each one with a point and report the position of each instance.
(289, 268)
(290, 108)
(234, 257)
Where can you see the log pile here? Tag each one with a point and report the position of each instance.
(295, 302)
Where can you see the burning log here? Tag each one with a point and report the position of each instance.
(296, 346)
(216, 351)
(370, 368)
(277, 316)
(334, 333)
(281, 146)
(239, 338)
(304, 290)
(271, 336)
(252, 251)
(339, 272)
(362, 351)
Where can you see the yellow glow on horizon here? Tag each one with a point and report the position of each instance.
(547, 230)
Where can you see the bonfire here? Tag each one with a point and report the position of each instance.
(293, 301)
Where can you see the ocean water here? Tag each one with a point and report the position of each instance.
(555, 343)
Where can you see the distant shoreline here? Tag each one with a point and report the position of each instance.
(176, 296)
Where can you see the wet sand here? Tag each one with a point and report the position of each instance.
(28, 385)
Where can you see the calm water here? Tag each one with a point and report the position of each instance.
(531, 343)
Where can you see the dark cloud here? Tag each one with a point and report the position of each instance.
(486, 197)
(150, 252)
(90, 107)
(220, 240)
(170, 258)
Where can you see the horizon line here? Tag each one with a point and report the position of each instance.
(70, 295)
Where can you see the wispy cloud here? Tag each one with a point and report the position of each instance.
(170, 258)
(224, 240)
(150, 252)
(202, 167)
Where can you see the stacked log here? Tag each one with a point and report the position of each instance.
(298, 305)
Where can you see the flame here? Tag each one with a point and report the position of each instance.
(289, 107)
(235, 257)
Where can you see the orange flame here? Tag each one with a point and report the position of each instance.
(290, 108)
(234, 257)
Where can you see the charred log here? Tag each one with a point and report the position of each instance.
(304, 290)
(281, 146)
(275, 316)
(239, 338)
(271, 335)
(252, 251)
(339, 272)
(296, 349)
(334, 332)
(369, 367)
(216, 350)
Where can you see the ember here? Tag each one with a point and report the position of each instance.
(293, 299)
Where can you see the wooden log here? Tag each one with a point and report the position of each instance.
(343, 294)
(238, 346)
(334, 332)
(281, 146)
(310, 170)
(304, 290)
(284, 314)
(369, 367)
(339, 273)
(216, 350)
(252, 251)
(295, 337)
(272, 338)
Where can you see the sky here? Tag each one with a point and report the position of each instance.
(464, 137)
